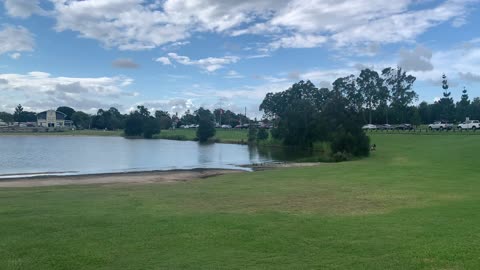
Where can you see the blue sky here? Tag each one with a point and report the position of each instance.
(177, 55)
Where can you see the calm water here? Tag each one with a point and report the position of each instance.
(43, 155)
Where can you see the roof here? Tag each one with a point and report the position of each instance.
(43, 115)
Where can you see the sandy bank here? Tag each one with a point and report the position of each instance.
(139, 177)
(111, 178)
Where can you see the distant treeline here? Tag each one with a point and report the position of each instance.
(112, 119)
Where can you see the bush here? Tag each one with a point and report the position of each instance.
(151, 126)
(341, 156)
(252, 133)
(262, 134)
(134, 125)
(206, 126)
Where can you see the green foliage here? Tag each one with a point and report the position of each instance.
(164, 119)
(306, 115)
(6, 117)
(81, 120)
(134, 125)
(151, 126)
(252, 133)
(67, 111)
(262, 134)
(23, 116)
(206, 125)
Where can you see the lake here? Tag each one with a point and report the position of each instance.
(22, 156)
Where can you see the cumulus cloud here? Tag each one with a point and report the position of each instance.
(140, 25)
(418, 59)
(298, 41)
(164, 60)
(209, 64)
(15, 56)
(16, 39)
(41, 90)
(124, 63)
(22, 8)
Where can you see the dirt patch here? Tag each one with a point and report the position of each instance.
(115, 178)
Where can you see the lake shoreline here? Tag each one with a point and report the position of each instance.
(138, 177)
(142, 177)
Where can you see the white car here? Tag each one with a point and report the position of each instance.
(472, 124)
(440, 125)
(369, 127)
(226, 126)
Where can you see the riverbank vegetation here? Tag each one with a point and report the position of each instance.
(414, 204)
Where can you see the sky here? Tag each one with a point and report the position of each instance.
(179, 55)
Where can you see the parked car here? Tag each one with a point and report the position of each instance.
(226, 126)
(440, 125)
(386, 127)
(369, 127)
(404, 127)
(471, 124)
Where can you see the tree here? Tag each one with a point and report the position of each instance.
(370, 86)
(6, 117)
(23, 116)
(140, 123)
(81, 120)
(134, 124)
(67, 111)
(17, 115)
(462, 109)
(164, 119)
(399, 85)
(252, 133)
(206, 125)
(347, 87)
(151, 126)
(262, 134)
(446, 105)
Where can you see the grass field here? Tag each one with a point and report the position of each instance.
(414, 204)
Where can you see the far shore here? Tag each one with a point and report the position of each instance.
(143, 177)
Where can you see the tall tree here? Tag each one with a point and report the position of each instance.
(462, 109)
(445, 104)
(400, 87)
(206, 125)
(17, 115)
(370, 86)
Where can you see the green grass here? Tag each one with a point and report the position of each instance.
(414, 204)
(222, 135)
(86, 132)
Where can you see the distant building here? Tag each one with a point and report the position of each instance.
(53, 119)
(3, 124)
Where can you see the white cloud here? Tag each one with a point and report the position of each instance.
(418, 59)
(16, 39)
(140, 25)
(298, 41)
(15, 56)
(209, 64)
(164, 60)
(22, 8)
(232, 74)
(40, 90)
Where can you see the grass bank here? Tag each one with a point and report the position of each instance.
(414, 204)
(222, 135)
(86, 132)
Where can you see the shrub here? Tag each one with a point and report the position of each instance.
(252, 133)
(262, 134)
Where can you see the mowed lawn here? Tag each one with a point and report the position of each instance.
(414, 204)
